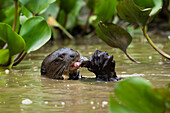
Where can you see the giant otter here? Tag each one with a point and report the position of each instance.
(66, 62)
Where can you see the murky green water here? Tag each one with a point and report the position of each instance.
(24, 90)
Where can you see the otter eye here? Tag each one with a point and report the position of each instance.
(71, 56)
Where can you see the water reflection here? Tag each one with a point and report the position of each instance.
(24, 90)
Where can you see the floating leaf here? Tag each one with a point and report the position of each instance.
(36, 6)
(137, 94)
(52, 22)
(130, 12)
(35, 32)
(115, 107)
(15, 42)
(115, 36)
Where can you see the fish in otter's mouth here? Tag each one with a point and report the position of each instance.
(60, 63)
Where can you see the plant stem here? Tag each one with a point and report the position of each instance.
(133, 60)
(87, 22)
(153, 45)
(19, 58)
(65, 21)
(16, 14)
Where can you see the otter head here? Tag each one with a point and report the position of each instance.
(59, 62)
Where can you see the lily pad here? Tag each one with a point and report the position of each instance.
(35, 32)
(137, 94)
(130, 12)
(115, 36)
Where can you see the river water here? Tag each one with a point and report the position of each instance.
(24, 90)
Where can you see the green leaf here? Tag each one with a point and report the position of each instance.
(115, 107)
(26, 12)
(130, 12)
(9, 14)
(114, 35)
(4, 55)
(15, 42)
(91, 4)
(36, 6)
(105, 9)
(157, 7)
(6, 3)
(4, 6)
(35, 32)
(137, 94)
(67, 5)
(52, 10)
(144, 3)
(73, 15)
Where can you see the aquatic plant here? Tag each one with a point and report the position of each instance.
(132, 11)
(33, 33)
(136, 95)
(63, 17)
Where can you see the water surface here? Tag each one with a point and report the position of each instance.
(24, 90)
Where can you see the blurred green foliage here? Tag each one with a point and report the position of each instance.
(70, 17)
(136, 95)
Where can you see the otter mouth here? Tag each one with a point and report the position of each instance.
(75, 65)
(72, 67)
(65, 69)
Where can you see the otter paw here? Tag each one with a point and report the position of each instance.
(103, 66)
